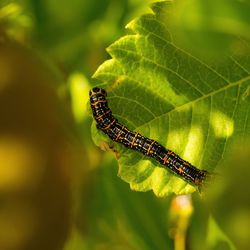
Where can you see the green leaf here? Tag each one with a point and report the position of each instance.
(216, 237)
(190, 105)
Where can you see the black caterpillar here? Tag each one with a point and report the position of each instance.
(120, 133)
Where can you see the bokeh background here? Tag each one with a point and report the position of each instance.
(57, 189)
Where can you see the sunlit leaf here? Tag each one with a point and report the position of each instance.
(194, 107)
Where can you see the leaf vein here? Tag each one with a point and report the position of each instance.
(186, 53)
(201, 98)
(161, 66)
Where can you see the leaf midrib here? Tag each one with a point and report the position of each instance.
(198, 99)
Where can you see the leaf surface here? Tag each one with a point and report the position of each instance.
(196, 108)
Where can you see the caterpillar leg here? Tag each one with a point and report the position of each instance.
(105, 146)
(208, 178)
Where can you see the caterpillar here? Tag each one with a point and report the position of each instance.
(117, 132)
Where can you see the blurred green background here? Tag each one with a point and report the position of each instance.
(57, 189)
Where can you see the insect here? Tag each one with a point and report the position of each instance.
(120, 133)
